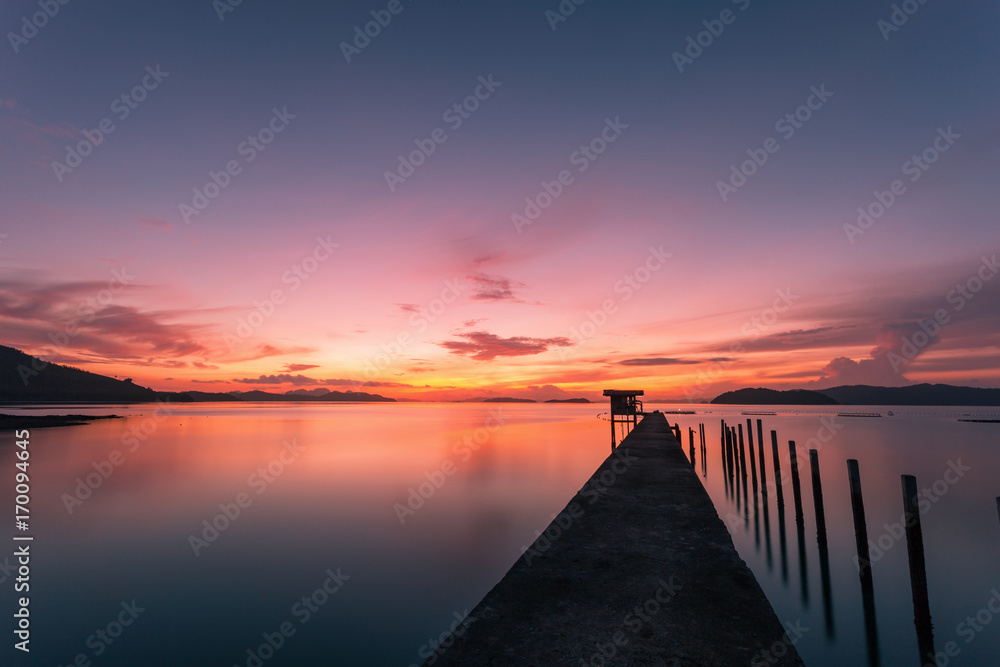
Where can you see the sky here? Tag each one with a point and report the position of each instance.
(536, 199)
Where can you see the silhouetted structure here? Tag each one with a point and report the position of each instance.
(625, 409)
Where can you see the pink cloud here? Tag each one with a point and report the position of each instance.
(484, 346)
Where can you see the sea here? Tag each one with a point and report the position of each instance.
(260, 534)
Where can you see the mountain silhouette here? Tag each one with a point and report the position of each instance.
(28, 379)
(918, 394)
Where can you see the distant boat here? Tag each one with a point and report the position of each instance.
(679, 412)
(859, 414)
(760, 414)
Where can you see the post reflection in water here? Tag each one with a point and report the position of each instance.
(918, 569)
(864, 562)
(821, 542)
(767, 536)
(783, 544)
(800, 532)
(850, 625)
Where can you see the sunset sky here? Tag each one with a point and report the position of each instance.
(650, 265)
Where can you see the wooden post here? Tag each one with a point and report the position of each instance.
(691, 443)
(777, 469)
(753, 459)
(736, 463)
(736, 460)
(864, 562)
(918, 569)
(817, 495)
(723, 447)
(760, 445)
(763, 469)
(704, 452)
(796, 486)
(998, 506)
(612, 425)
(743, 457)
(860, 527)
(729, 456)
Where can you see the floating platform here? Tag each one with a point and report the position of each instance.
(638, 569)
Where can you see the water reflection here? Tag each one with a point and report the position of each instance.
(424, 507)
(852, 631)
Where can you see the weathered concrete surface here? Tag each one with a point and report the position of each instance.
(637, 570)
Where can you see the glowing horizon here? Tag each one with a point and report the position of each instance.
(198, 212)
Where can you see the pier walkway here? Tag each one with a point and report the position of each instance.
(638, 569)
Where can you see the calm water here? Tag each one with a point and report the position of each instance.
(960, 527)
(327, 501)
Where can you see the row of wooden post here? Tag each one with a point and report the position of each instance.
(701, 448)
(733, 452)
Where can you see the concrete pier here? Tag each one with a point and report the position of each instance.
(638, 569)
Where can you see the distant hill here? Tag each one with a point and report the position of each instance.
(354, 396)
(263, 396)
(761, 396)
(918, 394)
(319, 391)
(568, 400)
(28, 379)
(509, 400)
(197, 397)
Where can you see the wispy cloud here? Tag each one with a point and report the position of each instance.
(154, 223)
(297, 368)
(283, 378)
(494, 288)
(669, 361)
(484, 346)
